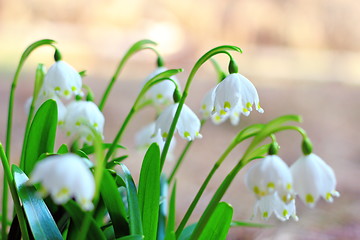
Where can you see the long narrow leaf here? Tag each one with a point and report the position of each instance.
(41, 136)
(114, 205)
(41, 222)
(132, 237)
(218, 225)
(249, 224)
(149, 191)
(135, 223)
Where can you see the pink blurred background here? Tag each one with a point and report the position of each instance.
(302, 55)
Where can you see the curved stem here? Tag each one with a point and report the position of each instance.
(138, 46)
(198, 64)
(202, 188)
(24, 56)
(17, 205)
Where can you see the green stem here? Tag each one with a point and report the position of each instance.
(119, 134)
(215, 200)
(17, 205)
(24, 56)
(138, 46)
(203, 187)
(198, 64)
(182, 156)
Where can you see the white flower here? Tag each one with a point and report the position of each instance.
(80, 116)
(145, 137)
(188, 124)
(236, 89)
(63, 177)
(272, 203)
(43, 98)
(207, 105)
(161, 92)
(313, 179)
(268, 175)
(62, 79)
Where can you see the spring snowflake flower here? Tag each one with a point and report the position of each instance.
(188, 125)
(63, 177)
(272, 203)
(80, 116)
(162, 92)
(207, 110)
(268, 175)
(62, 79)
(236, 89)
(313, 179)
(145, 137)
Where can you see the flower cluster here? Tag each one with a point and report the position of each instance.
(275, 185)
(76, 119)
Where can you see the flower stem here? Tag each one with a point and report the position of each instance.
(216, 199)
(24, 56)
(17, 205)
(138, 46)
(203, 186)
(198, 64)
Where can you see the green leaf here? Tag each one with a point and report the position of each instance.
(186, 233)
(114, 204)
(91, 149)
(249, 224)
(133, 203)
(78, 216)
(149, 191)
(116, 161)
(170, 228)
(218, 225)
(41, 222)
(132, 237)
(41, 136)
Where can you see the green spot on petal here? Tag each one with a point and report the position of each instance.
(63, 192)
(57, 89)
(73, 88)
(159, 96)
(309, 198)
(203, 107)
(222, 112)
(227, 105)
(285, 213)
(288, 186)
(61, 122)
(248, 105)
(96, 125)
(271, 185)
(89, 138)
(164, 134)
(66, 92)
(245, 110)
(265, 214)
(78, 123)
(328, 196)
(256, 190)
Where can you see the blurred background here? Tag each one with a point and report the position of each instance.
(302, 55)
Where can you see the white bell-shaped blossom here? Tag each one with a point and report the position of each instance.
(268, 175)
(188, 125)
(63, 177)
(207, 105)
(313, 179)
(272, 203)
(62, 79)
(80, 116)
(233, 91)
(145, 137)
(162, 92)
(43, 98)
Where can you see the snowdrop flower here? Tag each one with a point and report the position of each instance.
(236, 89)
(313, 179)
(268, 175)
(43, 98)
(63, 177)
(80, 116)
(207, 105)
(272, 203)
(62, 79)
(145, 137)
(188, 124)
(162, 92)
